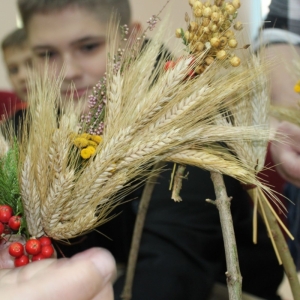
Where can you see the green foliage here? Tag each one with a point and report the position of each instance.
(9, 181)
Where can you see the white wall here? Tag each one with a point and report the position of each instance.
(142, 11)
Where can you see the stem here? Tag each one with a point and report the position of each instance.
(178, 183)
(137, 233)
(234, 277)
(287, 260)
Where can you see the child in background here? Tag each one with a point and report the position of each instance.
(17, 59)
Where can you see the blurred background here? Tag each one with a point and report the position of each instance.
(251, 14)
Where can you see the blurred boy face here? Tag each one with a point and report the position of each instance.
(74, 39)
(18, 60)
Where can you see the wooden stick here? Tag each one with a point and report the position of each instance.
(137, 233)
(233, 274)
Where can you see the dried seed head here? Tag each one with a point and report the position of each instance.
(221, 20)
(229, 34)
(187, 17)
(238, 25)
(215, 8)
(193, 26)
(197, 5)
(187, 35)
(221, 55)
(226, 25)
(232, 43)
(178, 32)
(230, 9)
(207, 12)
(199, 47)
(219, 2)
(215, 17)
(192, 2)
(235, 61)
(236, 3)
(215, 42)
(198, 12)
(223, 41)
(206, 30)
(205, 22)
(209, 60)
(213, 27)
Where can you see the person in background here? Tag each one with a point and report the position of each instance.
(182, 252)
(281, 30)
(17, 59)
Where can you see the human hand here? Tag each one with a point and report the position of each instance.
(287, 155)
(87, 275)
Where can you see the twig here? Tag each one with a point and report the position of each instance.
(234, 277)
(138, 229)
(178, 183)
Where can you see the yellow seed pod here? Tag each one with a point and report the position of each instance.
(215, 42)
(236, 4)
(232, 43)
(198, 13)
(199, 47)
(195, 38)
(214, 27)
(207, 12)
(197, 5)
(193, 26)
(187, 35)
(223, 41)
(238, 25)
(229, 34)
(221, 19)
(215, 8)
(204, 38)
(191, 36)
(205, 22)
(219, 2)
(206, 30)
(192, 2)
(235, 61)
(178, 32)
(209, 60)
(226, 25)
(230, 9)
(215, 17)
(221, 55)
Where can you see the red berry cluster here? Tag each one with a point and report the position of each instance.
(170, 64)
(8, 221)
(34, 249)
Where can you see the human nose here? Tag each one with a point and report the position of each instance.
(72, 68)
(23, 74)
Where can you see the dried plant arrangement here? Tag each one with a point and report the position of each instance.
(71, 170)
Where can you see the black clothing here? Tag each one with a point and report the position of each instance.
(182, 252)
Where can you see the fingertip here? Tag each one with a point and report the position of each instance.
(102, 260)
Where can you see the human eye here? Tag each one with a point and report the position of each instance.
(13, 70)
(90, 47)
(47, 54)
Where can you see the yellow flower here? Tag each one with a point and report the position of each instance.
(80, 142)
(297, 87)
(86, 136)
(92, 143)
(96, 138)
(87, 152)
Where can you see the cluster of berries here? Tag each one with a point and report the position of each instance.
(8, 221)
(33, 250)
